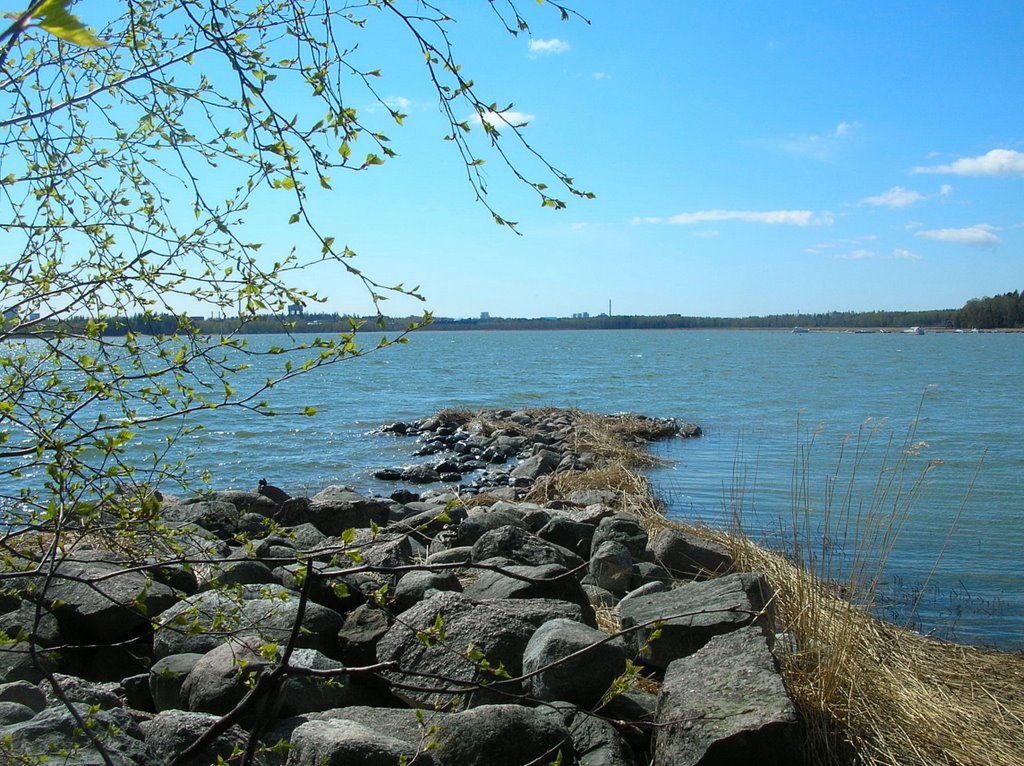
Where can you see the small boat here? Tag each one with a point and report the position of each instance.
(800, 329)
(913, 331)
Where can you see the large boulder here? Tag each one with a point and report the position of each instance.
(523, 547)
(549, 581)
(685, 555)
(692, 614)
(101, 602)
(341, 742)
(219, 681)
(414, 643)
(166, 677)
(566, 660)
(726, 704)
(170, 732)
(622, 528)
(501, 735)
(335, 509)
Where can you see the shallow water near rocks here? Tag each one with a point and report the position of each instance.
(780, 412)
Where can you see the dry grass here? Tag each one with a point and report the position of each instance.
(895, 696)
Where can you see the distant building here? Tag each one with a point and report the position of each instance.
(582, 315)
(485, 316)
(296, 310)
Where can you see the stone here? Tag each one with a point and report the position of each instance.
(624, 529)
(611, 567)
(308, 694)
(479, 521)
(515, 543)
(172, 731)
(692, 614)
(22, 662)
(335, 509)
(685, 555)
(596, 741)
(549, 581)
(223, 676)
(358, 636)
(501, 735)
(166, 677)
(727, 704)
(572, 535)
(500, 637)
(24, 693)
(414, 585)
(341, 742)
(566, 660)
(14, 712)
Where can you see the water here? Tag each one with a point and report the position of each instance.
(760, 396)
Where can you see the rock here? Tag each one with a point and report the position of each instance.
(499, 636)
(241, 572)
(170, 732)
(596, 741)
(501, 735)
(166, 677)
(685, 555)
(624, 529)
(309, 694)
(421, 474)
(55, 730)
(726, 704)
(40, 628)
(565, 660)
(414, 585)
(363, 628)
(14, 712)
(219, 680)
(22, 662)
(24, 693)
(515, 543)
(340, 742)
(541, 464)
(572, 535)
(335, 509)
(693, 614)
(101, 695)
(549, 581)
(611, 567)
(99, 602)
(477, 522)
(137, 695)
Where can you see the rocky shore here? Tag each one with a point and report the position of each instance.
(522, 608)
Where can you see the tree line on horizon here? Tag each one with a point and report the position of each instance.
(1004, 311)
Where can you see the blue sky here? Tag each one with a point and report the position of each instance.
(748, 158)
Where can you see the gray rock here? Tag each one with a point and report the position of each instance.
(500, 637)
(14, 712)
(501, 735)
(24, 693)
(364, 626)
(101, 602)
(646, 572)
(170, 732)
(413, 585)
(693, 614)
(462, 554)
(622, 528)
(102, 695)
(611, 567)
(479, 521)
(19, 663)
(137, 694)
(515, 543)
(686, 556)
(55, 730)
(541, 464)
(341, 742)
(34, 621)
(336, 509)
(596, 741)
(242, 572)
(166, 677)
(566, 660)
(572, 535)
(308, 694)
(549, 581)
(223, 676)
(726, 704)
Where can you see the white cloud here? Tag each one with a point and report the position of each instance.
(822, 146)
(845, 128)
(896, 197)
(707, 233)
(503, 119)
(858, 255)
(548, 47)
(979, 235)
(790, 217)
(398, 102)
(601, 76)
(998, 162)
(905, 255)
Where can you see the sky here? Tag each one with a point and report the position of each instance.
(747, 159)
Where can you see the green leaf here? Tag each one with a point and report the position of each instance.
(54, 17)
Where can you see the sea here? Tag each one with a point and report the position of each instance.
(888, 457)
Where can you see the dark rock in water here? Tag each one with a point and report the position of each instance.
(693, 614)
(389, 474)
(420, 474)
(339, 741)
(501, 735)
(499, 636)
(566, 660)
(726, 704)
(404, 495)
(686, 556)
